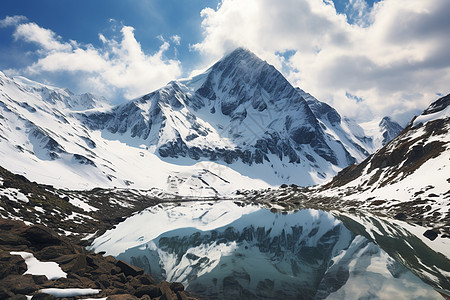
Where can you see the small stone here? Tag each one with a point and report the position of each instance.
(400, 216)
(430, 234)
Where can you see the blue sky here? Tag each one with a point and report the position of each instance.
(83, 20)
(385, 57)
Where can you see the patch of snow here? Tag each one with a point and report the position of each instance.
(73, 292)
(39, 209)
(81, 204)
(35, 267)
(14, 194)
(89, 236)
(77, 217)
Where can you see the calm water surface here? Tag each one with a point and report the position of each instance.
(227, 250)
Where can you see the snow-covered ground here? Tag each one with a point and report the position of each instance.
(35, 267)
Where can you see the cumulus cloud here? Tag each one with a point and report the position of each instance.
(12, 21)
(393, 57)
(120, 66)
(45, 38)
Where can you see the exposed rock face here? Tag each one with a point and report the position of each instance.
(84, 269)
(410, 175)
(417, 144)
(242, 108)
(241, 111)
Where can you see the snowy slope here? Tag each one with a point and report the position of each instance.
(238, 125)
(229, 251)
(241, 112)
(412, 167)
(42, 138)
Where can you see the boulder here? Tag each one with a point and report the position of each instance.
(167, 296)
(18, 297)
(146, 279)
(52, 252)
(128, 269)
(43, 296)
(75, 263)
(20, 284)
(11, 264)
(400, 216)
(177, 286)
(182, 296)
(151, 290)
(41, 236)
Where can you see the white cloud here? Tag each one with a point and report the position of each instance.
(12, 21)
(45, 38)
(395, 57)
(120, 66)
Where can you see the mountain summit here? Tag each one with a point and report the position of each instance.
(241, 110)
(239, 124)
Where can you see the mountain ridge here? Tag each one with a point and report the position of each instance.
(241, 123)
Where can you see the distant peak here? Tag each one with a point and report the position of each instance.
(389, 122)
(384, 121)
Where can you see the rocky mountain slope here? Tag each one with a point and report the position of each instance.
(43, 138)
(412, 171)
(241, 112)
(407, 179)
(239, 124)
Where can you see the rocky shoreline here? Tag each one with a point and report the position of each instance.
(110, 278)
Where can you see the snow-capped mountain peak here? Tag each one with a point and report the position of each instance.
(240, 123)
(240, 111)
(390, 129)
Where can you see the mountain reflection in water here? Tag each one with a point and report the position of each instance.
(226, 250)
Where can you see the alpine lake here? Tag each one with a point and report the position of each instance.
(235, 250)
